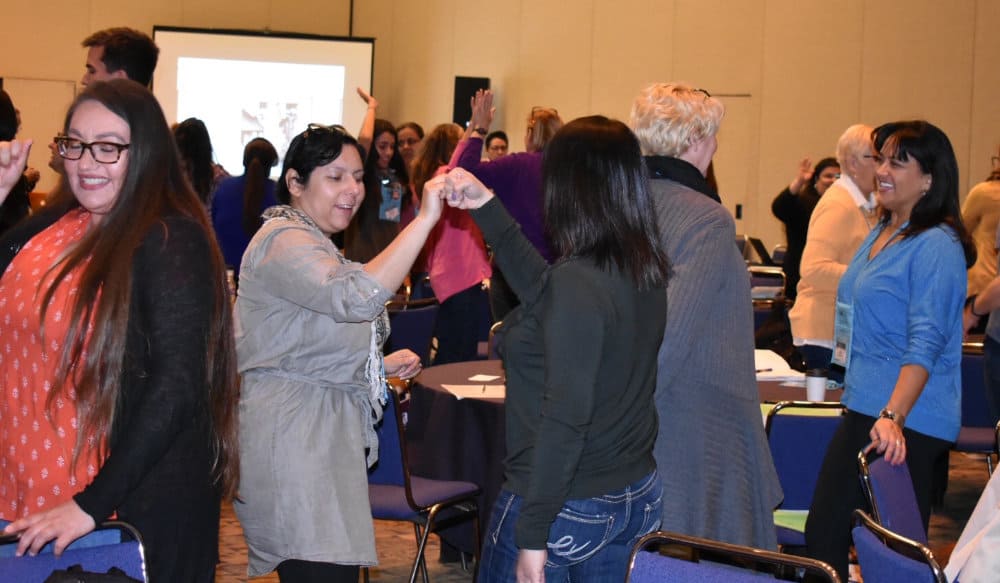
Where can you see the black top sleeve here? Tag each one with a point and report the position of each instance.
(164, 379)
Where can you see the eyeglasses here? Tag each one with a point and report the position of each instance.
(877, 158)
(102, 152)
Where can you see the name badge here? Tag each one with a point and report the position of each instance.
(842, 326)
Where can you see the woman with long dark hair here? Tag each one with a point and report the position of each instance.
(388, 204)
(898, 332)
(239, 201)
(195, 147)
(117, 397)
(580, 358)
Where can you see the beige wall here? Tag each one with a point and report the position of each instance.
(793, 73)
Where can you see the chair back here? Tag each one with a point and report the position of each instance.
(886, 557)
(890, 494)
(412, 326)
(778, 254)
(766, 282)
(975, 409)
(799, 437)
(495, 341)
(126, 554)
(667, 556)
(390, 469)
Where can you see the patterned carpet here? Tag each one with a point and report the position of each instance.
(396, 544)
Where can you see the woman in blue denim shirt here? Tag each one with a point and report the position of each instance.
(580, 354)
(899, 328)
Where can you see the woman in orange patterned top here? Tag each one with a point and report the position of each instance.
(117, 376)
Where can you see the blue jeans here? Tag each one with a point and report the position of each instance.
(590, 539)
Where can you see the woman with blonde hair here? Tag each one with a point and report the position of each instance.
(706, 392)
(516, 179)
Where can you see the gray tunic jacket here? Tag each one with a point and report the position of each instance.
(303, 334)
(718, 476)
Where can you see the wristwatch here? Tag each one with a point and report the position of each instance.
(897, 418)
(481, 131)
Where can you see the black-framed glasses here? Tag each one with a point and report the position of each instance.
(703, 92)
(102, 152)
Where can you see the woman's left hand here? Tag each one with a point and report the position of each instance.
(404, 364)
(64, 523)
(531, 565)
(890, 441)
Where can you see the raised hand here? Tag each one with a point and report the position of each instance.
(367, 97)
(13, 160)
(482, 109)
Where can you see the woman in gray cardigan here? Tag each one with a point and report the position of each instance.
(719, 480)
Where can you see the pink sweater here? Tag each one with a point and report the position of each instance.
(456, 254)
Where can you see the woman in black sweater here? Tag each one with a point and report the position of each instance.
(580, 358)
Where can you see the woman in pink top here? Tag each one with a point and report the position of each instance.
(456, 257)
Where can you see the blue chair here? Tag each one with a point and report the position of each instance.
(127, 554)
(778, 254)
(397, 495)
(886, 557)
(412, 326)
(799, 434)
(890, 494)
(667, 556)
(977, 432)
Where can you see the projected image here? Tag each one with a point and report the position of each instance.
(241, 100)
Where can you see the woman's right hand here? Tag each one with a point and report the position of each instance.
(803, 177)
(465, 191)
(13, 160)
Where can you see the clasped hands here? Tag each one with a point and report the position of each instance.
(459, 189)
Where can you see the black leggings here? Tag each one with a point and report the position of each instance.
(298, 571)
(838, 487)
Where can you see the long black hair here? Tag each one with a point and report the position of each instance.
(931, 148)
(597, 199)
(259, 156)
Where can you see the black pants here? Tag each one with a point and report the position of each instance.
(838, 488)
(297, 571)
(457, 329)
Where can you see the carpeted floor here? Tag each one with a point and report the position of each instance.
(396, 545)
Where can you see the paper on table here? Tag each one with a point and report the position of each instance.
(483, 378)
(771, 367)
(477, 391)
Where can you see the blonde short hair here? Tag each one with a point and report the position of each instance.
(669, 117)
(855, 141)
